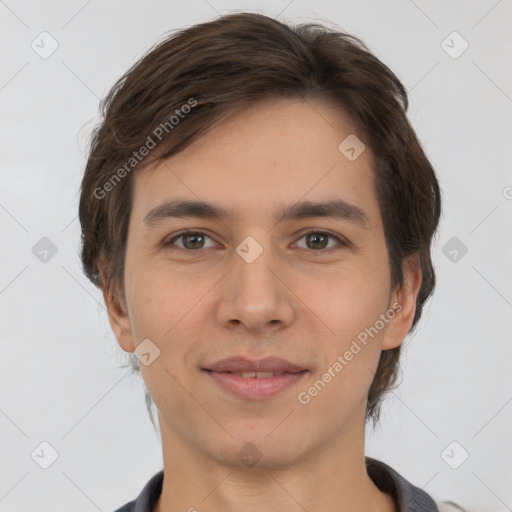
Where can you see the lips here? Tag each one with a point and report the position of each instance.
(256, 375)
(255, 379)
(244, 367)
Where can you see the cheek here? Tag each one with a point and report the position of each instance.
(158, 299)
(170, 310)
(352, 301)
(352, 309)
(340, 385)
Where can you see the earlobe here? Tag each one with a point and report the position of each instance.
(117, 316)
(403, 303)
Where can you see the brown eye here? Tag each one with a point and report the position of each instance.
(191, 241)
(319, 241)
(194, 241)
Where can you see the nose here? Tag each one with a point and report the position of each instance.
(255, 297)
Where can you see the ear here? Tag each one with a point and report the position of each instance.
(403, 303)
(117, 314)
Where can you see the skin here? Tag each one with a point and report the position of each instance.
(294, 301)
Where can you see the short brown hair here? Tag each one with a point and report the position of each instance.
(226, 65)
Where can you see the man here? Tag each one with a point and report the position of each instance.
(258, 212)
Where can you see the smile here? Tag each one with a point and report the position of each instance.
(252, 385)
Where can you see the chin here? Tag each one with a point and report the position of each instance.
(255, 451)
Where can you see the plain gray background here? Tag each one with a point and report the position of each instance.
(60, 381)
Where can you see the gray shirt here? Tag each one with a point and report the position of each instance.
(408, 498)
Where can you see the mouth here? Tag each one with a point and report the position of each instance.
(256, 375)
(255, 385)
(254, 367)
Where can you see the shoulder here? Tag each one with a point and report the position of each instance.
(408, 497)
(148, 497)
(129, 507)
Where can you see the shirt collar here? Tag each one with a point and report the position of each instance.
(407, 497)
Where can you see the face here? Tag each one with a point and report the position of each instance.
(261, 280)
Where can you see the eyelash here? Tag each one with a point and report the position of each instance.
(341, 242)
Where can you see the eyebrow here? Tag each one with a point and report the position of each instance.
(335, 209)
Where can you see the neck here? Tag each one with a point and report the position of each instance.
(333, 478)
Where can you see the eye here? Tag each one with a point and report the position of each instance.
(315, 241)
(191, 240)
(319, 240)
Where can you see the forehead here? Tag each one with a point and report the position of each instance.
(274, 153)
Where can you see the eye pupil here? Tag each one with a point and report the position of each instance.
(314, 237)
(194, 236)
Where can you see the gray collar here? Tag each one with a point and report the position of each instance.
(408, 498)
